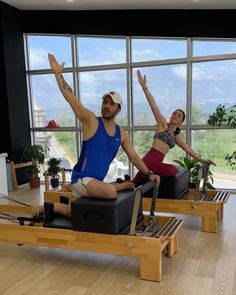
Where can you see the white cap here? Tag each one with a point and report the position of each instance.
(114, 96)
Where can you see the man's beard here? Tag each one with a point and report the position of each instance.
(108, 115)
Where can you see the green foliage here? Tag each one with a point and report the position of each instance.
(54, 167)
(221, 116)
(187, 163)
(32, 171)
(193, 166)
(231, 160)
(36, 154)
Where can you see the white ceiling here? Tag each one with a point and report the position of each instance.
(120, 4)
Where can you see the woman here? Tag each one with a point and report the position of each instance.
(165, 138)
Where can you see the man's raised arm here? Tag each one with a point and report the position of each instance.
(81, 112)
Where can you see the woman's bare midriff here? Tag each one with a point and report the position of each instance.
(160, 146)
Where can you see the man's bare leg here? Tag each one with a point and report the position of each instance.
(123, 185)
(103, 190)
(60, 208)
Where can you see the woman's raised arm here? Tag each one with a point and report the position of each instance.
(160, 119)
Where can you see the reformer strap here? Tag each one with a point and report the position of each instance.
(9, 217)
(205, 172)
(139, 192)
(202, 173)
(2, 196)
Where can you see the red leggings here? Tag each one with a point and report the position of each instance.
(154, 161)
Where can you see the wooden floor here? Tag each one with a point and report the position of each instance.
(205, 264)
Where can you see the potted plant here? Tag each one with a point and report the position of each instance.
(193, 166)
(35, 154)
(53, 170)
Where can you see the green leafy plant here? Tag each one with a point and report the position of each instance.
(193, 166)
(225, 116)
(231, 160)
(53, 170)
(36, 154)
(54, 167)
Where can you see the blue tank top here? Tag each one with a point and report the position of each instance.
(97, 154)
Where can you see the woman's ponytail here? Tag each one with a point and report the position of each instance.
(177, 131)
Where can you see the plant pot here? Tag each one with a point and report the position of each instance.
(35, 182)
(191, 185)
(54, 182)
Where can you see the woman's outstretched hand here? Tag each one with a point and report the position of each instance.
(55, 66)
(142, 79)
(154, 177)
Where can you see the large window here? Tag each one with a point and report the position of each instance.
(195, 75)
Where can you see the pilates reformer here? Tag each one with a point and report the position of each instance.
(208, 204)
(145, 236)
(175, 197)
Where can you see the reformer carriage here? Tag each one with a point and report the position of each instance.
(107, 226)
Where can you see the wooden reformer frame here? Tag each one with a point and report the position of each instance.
(208, 204)
(148, 248)
(210, 208)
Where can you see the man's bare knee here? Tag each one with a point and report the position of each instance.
(101, 190)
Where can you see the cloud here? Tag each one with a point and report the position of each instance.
(38, 58)
(180, 71)
(217, 71)
(146, 54)
(106, 56)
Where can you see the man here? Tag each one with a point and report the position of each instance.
(101, 141)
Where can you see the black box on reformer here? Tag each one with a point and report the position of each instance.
(104, 216)
(172, 187)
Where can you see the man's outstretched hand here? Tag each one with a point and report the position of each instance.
(55, 66)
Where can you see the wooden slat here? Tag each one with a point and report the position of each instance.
(221, 196)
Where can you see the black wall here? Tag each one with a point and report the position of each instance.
(14, 111)
(14, 118)
(173, 23)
